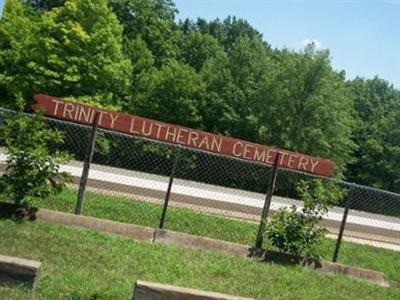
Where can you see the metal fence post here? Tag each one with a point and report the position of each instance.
(167, 195)
(86, 164)
(267, 204)
(342, 226)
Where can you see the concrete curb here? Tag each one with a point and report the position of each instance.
(19, 270)
(156, 291)
(129, 230)
(326, 267)
(167, 237)
(365, 274)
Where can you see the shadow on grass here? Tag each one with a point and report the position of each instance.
(17, 213)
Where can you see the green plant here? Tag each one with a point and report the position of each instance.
(33, 161)
(297, 231)
(293, 232)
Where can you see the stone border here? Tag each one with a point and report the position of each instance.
(326, 267)
(372, 276)
(129, 230)
(155, 291)
(19, 270)
(168, 237)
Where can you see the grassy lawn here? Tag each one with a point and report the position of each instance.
(184, 220)
(148, 214)
(84, 264)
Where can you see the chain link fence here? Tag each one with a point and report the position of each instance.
(211, 195)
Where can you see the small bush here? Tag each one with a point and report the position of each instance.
(294, 233)
(33, 163)
(297, 231)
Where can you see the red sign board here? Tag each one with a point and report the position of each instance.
(134, 125)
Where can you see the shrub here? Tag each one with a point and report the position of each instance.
(293, 232)
(33, 161)
(297, 231)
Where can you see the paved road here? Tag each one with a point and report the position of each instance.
(361, 227)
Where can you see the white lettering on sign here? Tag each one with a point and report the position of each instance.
(188, 137)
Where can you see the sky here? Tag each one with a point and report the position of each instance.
(363, 36)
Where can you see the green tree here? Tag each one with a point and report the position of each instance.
(74, 50)
(142, 59)
(378, 154)
(196, 48)
(217, 75)
(307, 107)
(227, 32)
(234, 62)
(204, 53)
(252, 69)
(18, 36)
(153, 22)
(218, 112)
(172, 94)
(391, 180)
(33, 162)
(81, 52)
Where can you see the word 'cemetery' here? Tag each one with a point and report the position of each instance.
(126, 123)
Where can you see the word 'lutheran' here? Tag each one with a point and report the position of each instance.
(126, 123)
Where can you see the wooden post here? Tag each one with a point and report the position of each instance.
(86, 164)
(267, 204)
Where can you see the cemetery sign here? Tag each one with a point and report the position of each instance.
(138, 126)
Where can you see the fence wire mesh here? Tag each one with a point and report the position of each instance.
(211, 195)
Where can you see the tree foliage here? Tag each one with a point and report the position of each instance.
(74, 50)
(18, 36)
(377, 159)
(33, 164)
(173, 93)
(218, 75)
(153, 22)
(315, 110)
(44, 4)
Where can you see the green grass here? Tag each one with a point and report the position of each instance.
(85, 264)
(148, 214)
(184, 220)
